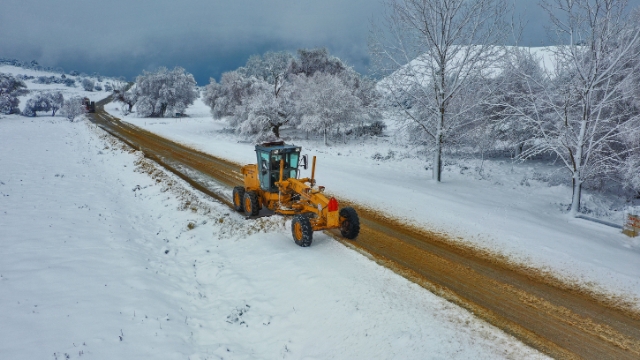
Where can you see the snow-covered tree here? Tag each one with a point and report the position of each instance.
(310, 61)
(211, 93)
(521, 77)
(587, 108)
(10, 89)
(224, 97)
(433, 50)
(73, 108)
(87, 84)
(271, 67)
(128, 97)
(324, 101)
(165, 92)
(46, 101)
(267, 93)
(264, 112)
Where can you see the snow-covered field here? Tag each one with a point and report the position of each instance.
(508, 211)
(33, 86)
(105, 256)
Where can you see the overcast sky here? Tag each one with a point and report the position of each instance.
(206, 37)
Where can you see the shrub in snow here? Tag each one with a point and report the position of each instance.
(376, 128)
(108, 87)
(44, 79)
(73, 108)
(98, 87)
(10, 89)
(69, 82)
(165, 92)
(87, 84)
(48, 101)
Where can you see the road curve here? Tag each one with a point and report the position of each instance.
(558, 319)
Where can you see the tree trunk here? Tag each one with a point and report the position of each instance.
(577, 193)
(325, 136)
(276, 130)
(437, 159)
(577, 172)
(518, 151)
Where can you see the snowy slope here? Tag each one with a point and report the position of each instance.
(418, 69)
(506, 211)
(68, 92)
(104, 256)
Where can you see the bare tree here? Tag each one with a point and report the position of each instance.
(433, 50)
(585, 105)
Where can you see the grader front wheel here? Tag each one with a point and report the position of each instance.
(349, 223)
(301, 230)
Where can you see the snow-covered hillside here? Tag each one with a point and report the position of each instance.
(507, 208)
(419, 67)
(106, 256)
(34, 86)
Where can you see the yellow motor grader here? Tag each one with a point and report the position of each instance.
(274, 183)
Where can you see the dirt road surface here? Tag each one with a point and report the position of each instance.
(559, 319)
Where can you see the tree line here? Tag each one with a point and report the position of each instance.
(446, 75)
(450, 79)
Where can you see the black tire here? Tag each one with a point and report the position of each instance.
(301, 230)
(309, 215)
(250, 203)
(238, 196)
(349, 223)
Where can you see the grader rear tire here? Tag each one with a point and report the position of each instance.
(250, 203)
(301, 230)
(349, 223)
(238, 196)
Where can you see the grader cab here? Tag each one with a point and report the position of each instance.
(274, 183)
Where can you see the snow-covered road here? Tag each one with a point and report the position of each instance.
(508, 212)
(101, 258)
